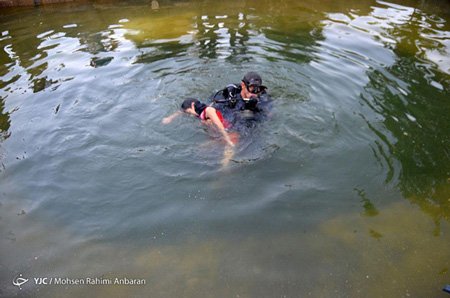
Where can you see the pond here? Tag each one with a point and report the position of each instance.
(344, 191)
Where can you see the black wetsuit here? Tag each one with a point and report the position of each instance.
(237, 110)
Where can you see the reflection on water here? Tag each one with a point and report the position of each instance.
(316, 199)
(4, 122)
(405, 93)
(420, 146)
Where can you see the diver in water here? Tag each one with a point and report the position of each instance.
(206, 114)
(237, 106)
(245, 101)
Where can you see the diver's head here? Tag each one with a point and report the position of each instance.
(252, 82)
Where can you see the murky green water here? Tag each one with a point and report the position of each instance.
(343, 192)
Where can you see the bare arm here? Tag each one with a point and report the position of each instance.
(169, 119)
(228, 154)
(211, 114)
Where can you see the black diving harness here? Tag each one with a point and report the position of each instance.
(231, 98)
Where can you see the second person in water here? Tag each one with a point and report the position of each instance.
(206, 114)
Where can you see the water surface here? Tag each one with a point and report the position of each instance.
(343, 192)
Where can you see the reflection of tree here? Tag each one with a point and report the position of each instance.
(419, 122)
(416, 115)
(4, 121)
(21, 49)
(434, 5)
(233, 32)
(222, 35)
(239, 36)
(96, 42)
(418, 36)
(294, 44)
(160, 51)
(207, 37)
(34, 44)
